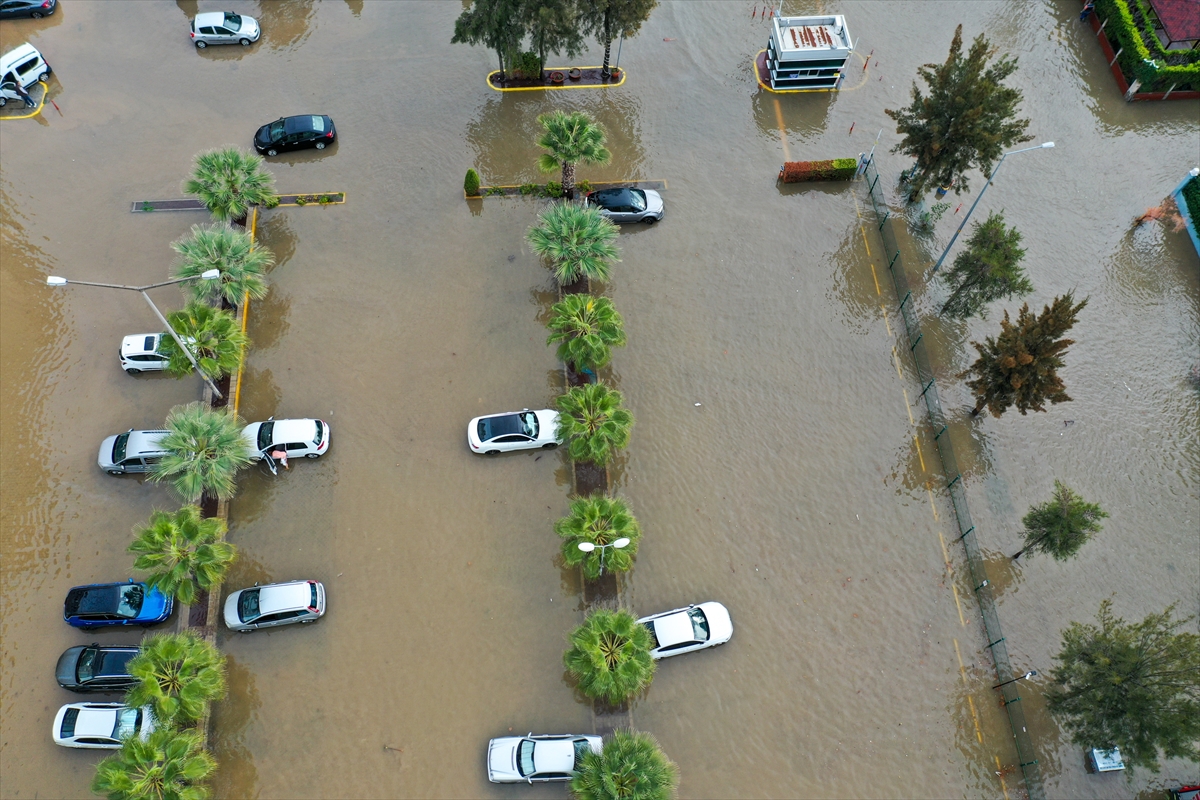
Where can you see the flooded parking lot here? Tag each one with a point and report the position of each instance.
(796, 492)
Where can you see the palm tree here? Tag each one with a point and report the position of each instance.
(1061, 525)
(205, 449)
(228, 182)
(593, 423)
(169, 765)
(578, 242)
(178, 675)
(632, 766)
(600, 520)
(183, 552)
(586, 329)
(216, 341)
(610, 656)
(242, 264)
(568, 140)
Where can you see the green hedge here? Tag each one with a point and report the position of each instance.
(1191, 198)
(838, 169)
(1142, 54)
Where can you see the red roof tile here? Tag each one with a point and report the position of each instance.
(1180, 18)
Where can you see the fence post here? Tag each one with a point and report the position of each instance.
(1168, 94)
(886, 214)
(1118, 55)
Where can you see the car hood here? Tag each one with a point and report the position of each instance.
(106, 447)
(502, 759)
(548, 425)
(249, 27)
(654, 201)
(156, 606)
(720, 626)
(264, 135)
(65, 671)
(231, 615)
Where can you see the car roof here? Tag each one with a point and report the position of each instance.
(609, 195)
(144, 442)
(136, 343)
(97, 599)
(96, 721)
(503, 424)
(18, 53)
(283, 597)
(674, 629)
(211, 18)
(300, 122)
(554, 756)
(293, 430)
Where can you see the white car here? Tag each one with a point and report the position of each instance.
(139, 353)
(100, 725)
(513, 430)
(538, 759)
(686, 629)
(247, 610)
(226, 27)
(296, 437)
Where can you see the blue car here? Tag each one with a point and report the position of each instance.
(106, 604)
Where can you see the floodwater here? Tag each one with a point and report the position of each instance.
(779, 463)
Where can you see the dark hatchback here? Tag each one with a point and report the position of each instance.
(295, 133)
(107, 604)
(27, 8)
(96, 669)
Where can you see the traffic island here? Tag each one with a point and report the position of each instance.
(191, 204)
(557, 78)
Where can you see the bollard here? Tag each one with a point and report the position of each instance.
(852, 124)
(755, 14)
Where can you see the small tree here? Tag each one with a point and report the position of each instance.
(178, 675)
(988, 269)
(492, 23)
(554, 27)
(967, 119)
(570, 139)
(632, 766)
(585, 328)
(242, 264)
(600, 520)
(228, 182)
(169, 765)
(205, 449)
(611, 19)
(183, 552)
(215, 339)
(1061, 525)
(610, 656)
(1020, 367)
(1135, 687)
(471, 183)
(577, 241)
(592, 422)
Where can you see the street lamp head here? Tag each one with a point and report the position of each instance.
(211, 274)
(587, 547)
(54, 280)
(1047, 144)
(1031, 673)
(622, 542)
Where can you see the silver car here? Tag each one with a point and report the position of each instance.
(247, 610)
(131, 451)
(224, 27)
(628, 205)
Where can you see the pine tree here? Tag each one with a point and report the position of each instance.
(608, 20)
(492, 23)
(988, 269)
(1061, 525)
(1020, 367)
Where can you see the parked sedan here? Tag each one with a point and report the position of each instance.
(295, 133)
(224, 28)
(538, 759)
(100, 725)
(27, 8)
(628, 205)
(96, 669)
(247, 610)
(103, 605)
(686, 629)
(514, 430)
(296, 437)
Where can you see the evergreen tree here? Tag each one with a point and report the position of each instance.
(553, 26)
(1061, 525)
(967, 119)
(600, 520)
(493, 23)
(178, 675)
(585, 328)
(570, 139)
(608, 20)
(212, 334)
(592, 423)
(1134, 687)
(168, 765)
(1020, 367)
(610, 656)
(631, 766)
(183, 552)
(988, 269)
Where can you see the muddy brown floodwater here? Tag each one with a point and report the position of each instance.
(779, 463)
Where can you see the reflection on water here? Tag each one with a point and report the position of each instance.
(285, 23)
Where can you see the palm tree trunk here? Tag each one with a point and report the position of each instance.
(604, 73)
(568, 181)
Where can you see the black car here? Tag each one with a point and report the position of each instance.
(295, 133)
(27, 8)
(96, 669)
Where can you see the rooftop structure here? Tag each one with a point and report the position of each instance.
(806, 53)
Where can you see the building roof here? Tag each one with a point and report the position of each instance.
(1180, 18)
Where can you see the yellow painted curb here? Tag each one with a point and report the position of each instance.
(41, 104)
(624, 73)
(758, 80)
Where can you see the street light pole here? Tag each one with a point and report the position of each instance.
(986, 184)
(1029, 674)
(588, 547)
(54, 280)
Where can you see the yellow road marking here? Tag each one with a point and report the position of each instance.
(37, 109)
(911, 421)
(237, 392)
(958, 603)
(945, 552)
(563, 70)
(935, 512)
(975, 717)
(962, 668)
(1000, 774)
(787, 156)
(896, 361)
(888, 322)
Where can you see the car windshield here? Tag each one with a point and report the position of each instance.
(264, 434)
(248, 605)
(699, 624)
(89, 659)
(491, 427)
(529, 421)
(132, 597)
(637, 199)
(276, 130)
(318, 124)
(582, 748)
(653, 636)
(525, 757)
(128, 721)
(320, 434)
(313, 603)
(119, 448)
(233, 22)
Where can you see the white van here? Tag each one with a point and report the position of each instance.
(26, 63)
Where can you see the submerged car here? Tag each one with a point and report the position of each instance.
(102, 605)
(131, 451)
(247, 610)
(683, 630)
(296, 437)
(514, 430)
(139, 353)
(226, 27)
(295, 133)
(96, 668)
(627, 205)
(27, 8)
(538, 759)
(100, 725)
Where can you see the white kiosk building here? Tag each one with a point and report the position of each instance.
(807, 53)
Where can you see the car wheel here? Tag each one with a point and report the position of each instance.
(36, 15)
(550, 446)
(320, 145)
(133, 371)
(306, 621)
(492, 453)
(651, 220)
(272, 152)
(312, 455)
(244, 42)
(45, 76)
(249, 631)
(3, 102)
(113, 471)
(201, 45)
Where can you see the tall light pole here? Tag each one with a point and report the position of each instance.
(588, 547)
(208, 275)
(987, 183)
(1027, 675)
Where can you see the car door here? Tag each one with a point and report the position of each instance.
(223, 35)
(513, 441)
(296, 449)
(10, 8)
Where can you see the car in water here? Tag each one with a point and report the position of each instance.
(139, 353)
(100, 726)
(224, 27)
(295, 133)
(131, 451)
(513, 430)
(683, 630)
(296, 437)
(26, 63)
(96, 668)
(627, 205)
(11, 9)
(103, 605)
(538, 759)
(247, 610)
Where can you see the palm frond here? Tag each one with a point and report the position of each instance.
(576, 240)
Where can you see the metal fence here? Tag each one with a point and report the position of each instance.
(954, 486)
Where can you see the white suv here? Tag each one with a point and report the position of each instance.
(100, 725)
(247, 610)
(139, 353)
(296, 437)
